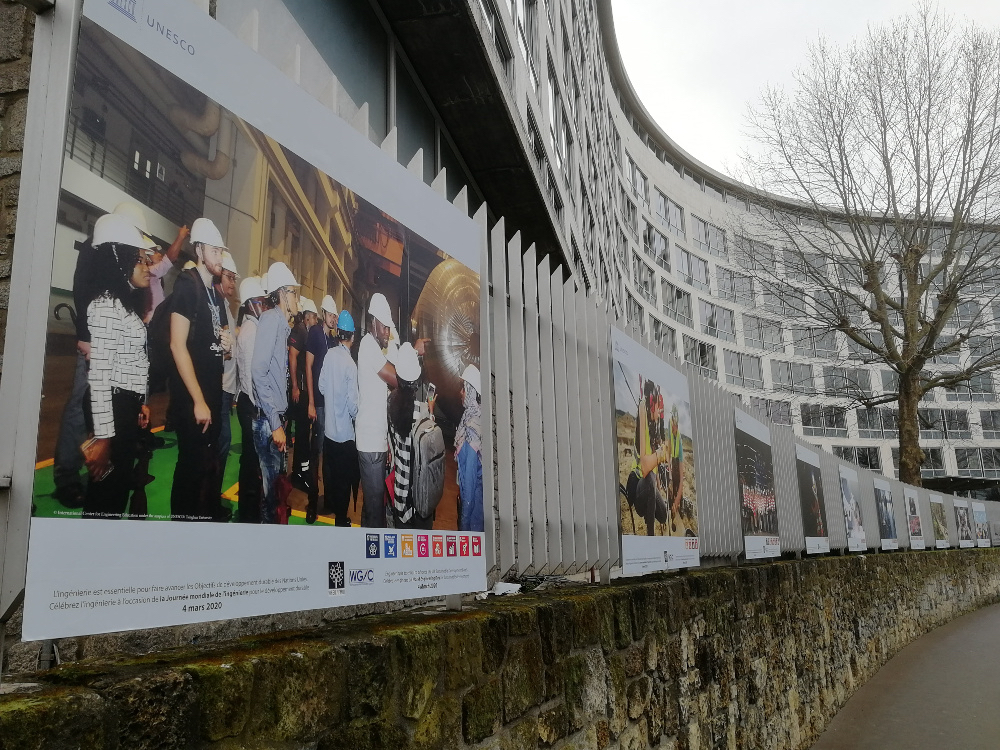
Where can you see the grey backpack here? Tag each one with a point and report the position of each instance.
(427, 467)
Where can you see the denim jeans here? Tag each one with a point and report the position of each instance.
(470, 489)
(373, 474)
(270, 466)
(72, 431)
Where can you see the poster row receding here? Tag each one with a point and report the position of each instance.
(372, 302)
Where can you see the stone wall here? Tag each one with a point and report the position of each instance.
(16, 29)
(753, 657)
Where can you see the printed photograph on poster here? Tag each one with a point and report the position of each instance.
(914, 527)
(813, 506)
(886, 518)
(850, 494)
(755, 477)
(248, 249)
(982, 525)
(939, 522)
(242, 340)
(658, 499)
(963, 521)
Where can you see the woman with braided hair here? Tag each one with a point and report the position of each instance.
(119, 365)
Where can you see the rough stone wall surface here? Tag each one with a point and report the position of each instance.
(753, 657)
(16, 29)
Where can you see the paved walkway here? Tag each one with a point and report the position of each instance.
(942, 691)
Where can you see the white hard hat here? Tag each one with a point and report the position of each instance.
(204, 230)
(406, 362)
(379, 308)
(307, 305)
(115, 228)
(228, 264)
(278, 276)
(134, 213)
(251, 287)
(471, 376)
(328, 304)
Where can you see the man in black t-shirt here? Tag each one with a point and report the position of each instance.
(298, 402)
(198, 345)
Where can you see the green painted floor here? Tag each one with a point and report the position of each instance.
(161, 466)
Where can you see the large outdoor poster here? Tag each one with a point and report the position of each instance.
(811, 500)
(261, 386)
(849, 493)
(939, 521)
(982, 525)
(914, 527)
(755, 475)
(886, 518)
(963, 521)
(658, 498)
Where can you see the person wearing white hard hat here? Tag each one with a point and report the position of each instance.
(403, 411)
(376, 375)
(318, 340)
(253, 302)
(119, 366)
(88, 280)
(225, 287)
(469, 453)
(199, 345)
(269, 372)
(163, 262)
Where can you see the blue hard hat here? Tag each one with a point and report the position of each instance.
(345, 322)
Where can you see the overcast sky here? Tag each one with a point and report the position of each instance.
(696, 65)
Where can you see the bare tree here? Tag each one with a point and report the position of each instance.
(887, 158)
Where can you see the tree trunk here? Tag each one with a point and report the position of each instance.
(911, 456)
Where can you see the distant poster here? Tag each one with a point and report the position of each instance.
(939, 522)
(658, 500)
(755, 475)
(963, 520)
(913, 525)
(982, 525)
(886, 519)
(853, 520)
(811, 498)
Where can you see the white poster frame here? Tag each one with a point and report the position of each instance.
(759, 546)
(647, 554)
(881, 485)
(939, 543)
(117, 575)
(815, 545)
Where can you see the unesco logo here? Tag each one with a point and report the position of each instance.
(371, 545)
(336, 578)
(125, 7)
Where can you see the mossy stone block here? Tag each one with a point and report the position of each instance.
(522, 678)
(368, 670)
(416, 666)
(55, 719)
(553, 724)
(482, 711)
